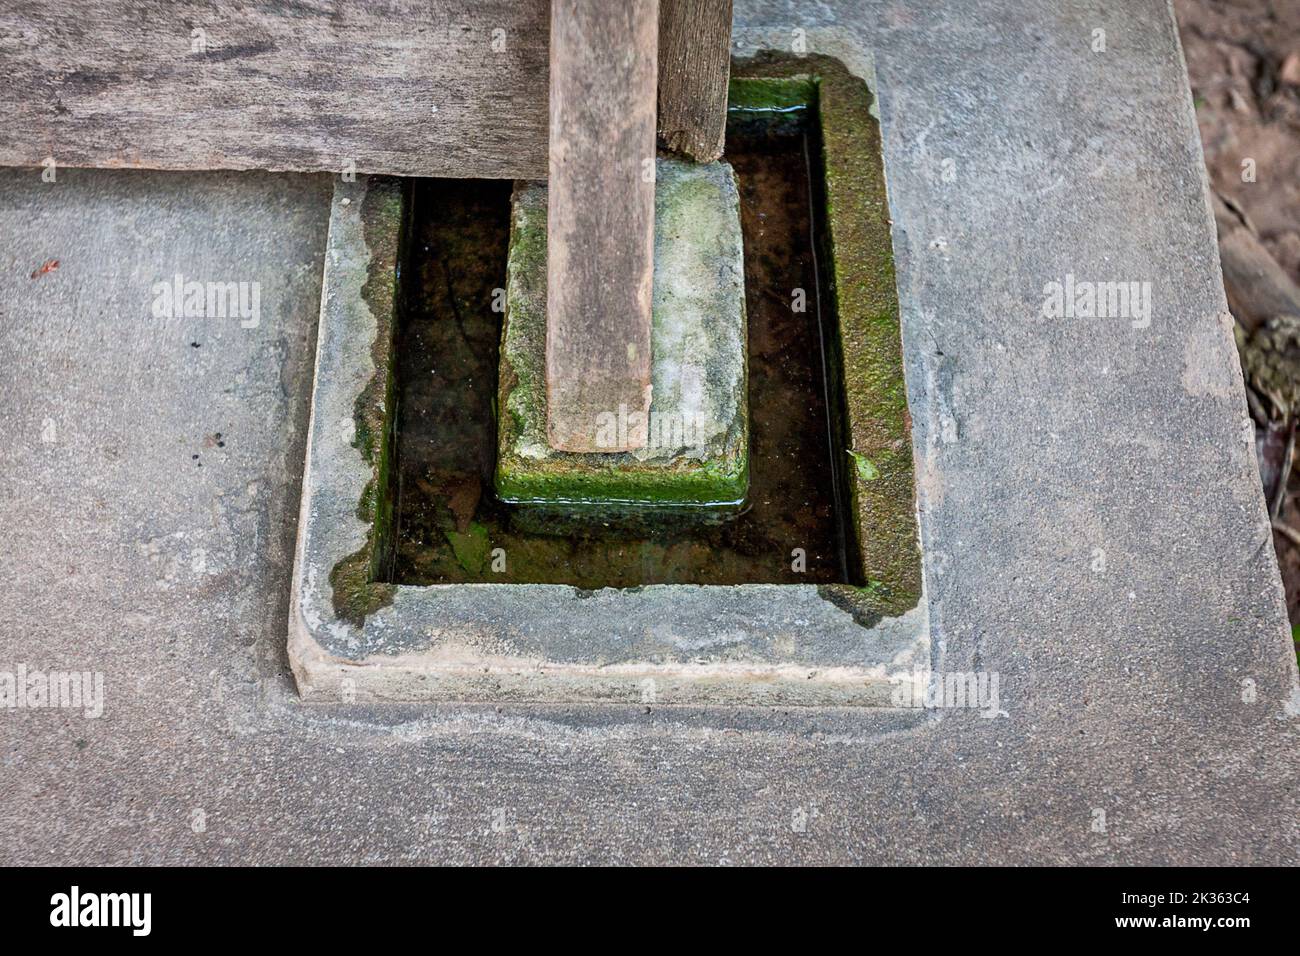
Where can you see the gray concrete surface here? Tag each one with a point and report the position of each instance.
(1093, 525)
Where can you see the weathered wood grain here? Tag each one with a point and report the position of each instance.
(600, 218)
(406, 87)
(411, 87)
(694, 64)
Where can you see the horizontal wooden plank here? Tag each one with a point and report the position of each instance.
(411, 87)
(407, 87)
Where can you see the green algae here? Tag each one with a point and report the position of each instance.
(356, 580)
(867, 351)
(863, 604)
(356, 595)
(748, 93)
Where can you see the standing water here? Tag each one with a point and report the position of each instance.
(448, 524)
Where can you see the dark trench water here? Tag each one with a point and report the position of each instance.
(447, 521)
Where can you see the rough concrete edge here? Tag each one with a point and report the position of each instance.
(310, 607)
(463, 674)
(879, 463)
(845, 46)
(879, 427)
(839, 43)
(1210, 233)
(458, 668)
(303, 651)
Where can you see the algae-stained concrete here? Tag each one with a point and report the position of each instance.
(696, 452)
(372, 218)
(865, 353)
(1037, 442)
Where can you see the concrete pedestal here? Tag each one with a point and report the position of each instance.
(696, 453)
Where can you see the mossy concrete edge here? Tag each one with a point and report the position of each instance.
(355, 580)
(877, 428)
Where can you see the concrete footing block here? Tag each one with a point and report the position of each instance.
(696, 453)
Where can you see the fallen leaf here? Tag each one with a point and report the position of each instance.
(471, 548)
(867, 469)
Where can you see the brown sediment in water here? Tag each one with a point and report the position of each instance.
(448, 525)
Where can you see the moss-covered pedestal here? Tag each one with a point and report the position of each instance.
(696, 454)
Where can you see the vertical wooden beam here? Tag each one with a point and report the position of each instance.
(600, 219)
(694, 65)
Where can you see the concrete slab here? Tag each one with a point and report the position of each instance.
(1093, 532)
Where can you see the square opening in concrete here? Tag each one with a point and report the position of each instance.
(797, 521)
(426, 584)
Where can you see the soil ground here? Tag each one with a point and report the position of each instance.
(1243, 59)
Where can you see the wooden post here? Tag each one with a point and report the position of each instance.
(600, 220)
(694, 65)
